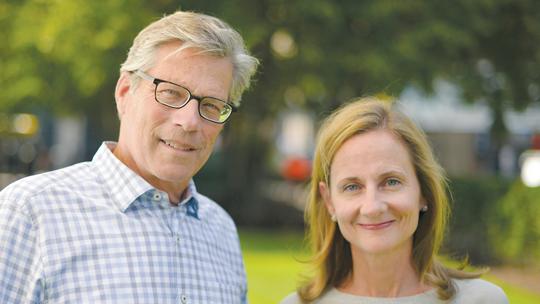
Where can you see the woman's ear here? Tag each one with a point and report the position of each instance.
(121, 93)
(324, 191)
(423, 205)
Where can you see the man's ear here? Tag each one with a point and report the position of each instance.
(123, 86)
(324, 191)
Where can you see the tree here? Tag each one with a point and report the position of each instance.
(334, 50)
(64, 56)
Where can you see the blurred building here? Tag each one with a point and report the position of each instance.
(294, 144)
(34, 143)
(460, 133)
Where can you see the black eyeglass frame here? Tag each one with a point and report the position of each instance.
(157, 81)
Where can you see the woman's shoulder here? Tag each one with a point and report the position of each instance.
(469, 291)
(479, 291)
(292, 298)
(334, 296)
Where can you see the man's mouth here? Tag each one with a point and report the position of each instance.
(179, 146)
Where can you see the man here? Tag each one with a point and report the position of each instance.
(130, 226)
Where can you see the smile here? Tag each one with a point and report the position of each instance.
(178, 146)
(377, 226)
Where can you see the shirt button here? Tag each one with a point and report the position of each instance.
(157, 196)
(177, 238)
(183, 299)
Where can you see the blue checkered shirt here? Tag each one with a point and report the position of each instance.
(96, 232)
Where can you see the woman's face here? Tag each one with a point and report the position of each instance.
(374, 193)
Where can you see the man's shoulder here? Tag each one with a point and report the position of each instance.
(479, 291)
(211, 210)
(68, 178)
(215, 215)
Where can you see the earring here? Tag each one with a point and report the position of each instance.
(424, 208)
(333, 218)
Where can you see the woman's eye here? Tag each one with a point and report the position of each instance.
(393, 182)
(351, 187)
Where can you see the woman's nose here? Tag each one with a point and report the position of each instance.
(373, 204)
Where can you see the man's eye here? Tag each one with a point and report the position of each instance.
(212, 108)
(169, 93)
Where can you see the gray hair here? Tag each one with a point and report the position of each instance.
(194, 30)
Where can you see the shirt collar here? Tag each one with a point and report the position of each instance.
(125, 186)
(190, 201)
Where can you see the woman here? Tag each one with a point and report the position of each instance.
(377, 213)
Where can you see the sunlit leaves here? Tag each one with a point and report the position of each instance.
(61, 55)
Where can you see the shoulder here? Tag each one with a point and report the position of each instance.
(41, 186)
(217, 221)
(211, 211)
(479, 291)
(293, 298)
(333, 296)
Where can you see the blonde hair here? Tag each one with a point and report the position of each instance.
(332, 259)
(194, 30)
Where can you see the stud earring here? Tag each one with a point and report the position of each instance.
(333, 217)
(424, 208)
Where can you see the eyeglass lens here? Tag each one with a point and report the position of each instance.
(176, 96)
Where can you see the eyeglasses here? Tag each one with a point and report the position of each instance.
(176, 96)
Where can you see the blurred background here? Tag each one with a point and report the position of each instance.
(468, 72)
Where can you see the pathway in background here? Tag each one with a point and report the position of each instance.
(527, 278)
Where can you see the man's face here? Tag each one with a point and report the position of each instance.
(168, 146)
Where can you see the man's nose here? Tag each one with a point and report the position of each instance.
(187, 116)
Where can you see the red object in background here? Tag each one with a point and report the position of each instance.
(296, 169)
(535, 142)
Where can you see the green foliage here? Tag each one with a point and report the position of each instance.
(345, 48)
(64, 56)
(474, 214)
(494, 220)
(516, 234)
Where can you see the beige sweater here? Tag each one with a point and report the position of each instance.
(475, 291)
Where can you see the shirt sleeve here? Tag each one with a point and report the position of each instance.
(21, 266)
(244, 298)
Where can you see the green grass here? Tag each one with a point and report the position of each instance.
(272, 264)
(273, 267)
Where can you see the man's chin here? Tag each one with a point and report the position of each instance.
(174, 177)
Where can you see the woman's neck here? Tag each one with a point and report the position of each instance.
(383, 275)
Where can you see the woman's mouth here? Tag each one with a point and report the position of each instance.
(377, 226)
